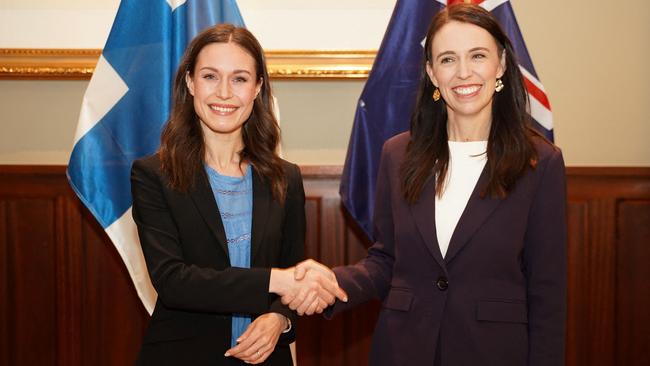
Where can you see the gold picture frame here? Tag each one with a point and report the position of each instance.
(79, 64)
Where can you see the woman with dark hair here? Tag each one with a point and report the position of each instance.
(470, 251)
(219, 213)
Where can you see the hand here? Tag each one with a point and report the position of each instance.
(257, 343)
(311, 268)
(310, 288)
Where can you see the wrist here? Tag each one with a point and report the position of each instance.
(279, 280)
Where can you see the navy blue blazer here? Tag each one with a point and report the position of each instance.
(499, 295)
(184, 245)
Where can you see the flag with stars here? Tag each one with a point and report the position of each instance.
(124, 108)
(388, 98)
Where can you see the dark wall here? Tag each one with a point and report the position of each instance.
(66, 298)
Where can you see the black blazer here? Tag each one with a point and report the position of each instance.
(499, 295)
(184, 245)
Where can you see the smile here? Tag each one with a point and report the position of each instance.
(223, 109)
(466, 90)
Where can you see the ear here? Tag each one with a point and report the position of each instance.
(431, 75)
(502, 64)
(258, 87)
(189, 82)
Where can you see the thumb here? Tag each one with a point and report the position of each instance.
(299, 273)
(341, 295)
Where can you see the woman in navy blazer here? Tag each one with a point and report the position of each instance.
(469, 258)
(219, 213)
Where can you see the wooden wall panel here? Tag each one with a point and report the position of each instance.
(5, 312)
(116, 307)
(67, 299)
(31, 293)
(334, 240)
(633, 279)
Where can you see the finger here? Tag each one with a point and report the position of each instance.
(251, 327)
(244, 346)
(333, 288)
(312, 307)
(293, 305)
(322, 305)
(253, 352)
(260, 357)
(341, 294)
(264, 353)
(299, 272)
(298, 300)
(326, 296)
(288, 298)
(302, 309)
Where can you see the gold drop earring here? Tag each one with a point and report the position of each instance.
(436, 95)
(499, 85)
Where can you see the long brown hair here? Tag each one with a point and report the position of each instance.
(182, 147)
(510, 149)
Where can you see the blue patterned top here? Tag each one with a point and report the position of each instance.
(234, 196)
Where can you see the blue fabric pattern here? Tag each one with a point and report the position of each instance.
(234, 196)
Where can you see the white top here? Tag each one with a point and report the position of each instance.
(466, 162)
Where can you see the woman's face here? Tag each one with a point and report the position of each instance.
(224, 86)
(465, 63)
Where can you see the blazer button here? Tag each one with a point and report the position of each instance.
(442, 283)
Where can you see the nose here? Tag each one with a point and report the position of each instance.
(223, 90)
(464, 69)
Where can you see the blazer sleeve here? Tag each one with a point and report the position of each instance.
(545, 264)
(293, 242)
(181, 285)
(370, 278)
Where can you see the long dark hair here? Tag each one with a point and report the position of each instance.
(182, 147)
(510, 149)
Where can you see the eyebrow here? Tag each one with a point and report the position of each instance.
(470, 50)
(238, 71)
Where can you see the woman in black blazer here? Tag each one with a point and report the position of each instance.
(469, 257)
(219, 213)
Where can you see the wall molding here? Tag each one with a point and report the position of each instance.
(79, 64)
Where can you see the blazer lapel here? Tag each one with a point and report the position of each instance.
(204, 200)
(423, 212)
(476, 212)
(261, 212)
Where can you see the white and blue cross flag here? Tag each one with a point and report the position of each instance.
(124, 108)
(388, 98)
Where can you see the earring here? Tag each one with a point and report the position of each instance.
(436, 95)
(499, 85)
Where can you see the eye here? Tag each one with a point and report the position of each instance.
(479, 56)
(209, 76)
(240, 79)
(446, 60)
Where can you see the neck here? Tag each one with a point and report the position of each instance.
(222, 154)
(468, 128)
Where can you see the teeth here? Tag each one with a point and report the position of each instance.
(222, 109)
(466, 90)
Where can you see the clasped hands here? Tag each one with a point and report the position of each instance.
(307, 288)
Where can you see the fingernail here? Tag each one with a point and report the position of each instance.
(345, 299)
(227, 354)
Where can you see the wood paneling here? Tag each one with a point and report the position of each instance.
(67, 299)
(633, 280)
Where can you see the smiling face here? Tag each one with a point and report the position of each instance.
(224, 85)
(464, 64)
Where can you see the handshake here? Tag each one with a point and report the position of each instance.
(307, 288)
